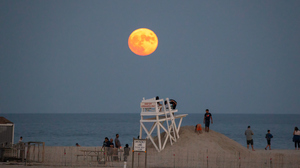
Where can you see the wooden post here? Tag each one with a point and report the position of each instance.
(138, 159)
(28, 153)
(43, 153)
(174, 159)
(146, 157)
(33, 152)
(141, 129)
(132, 154)
(65, 156)
(207, 158)
(239, 159)
(105, 155)
(38, 152)
(22, 151)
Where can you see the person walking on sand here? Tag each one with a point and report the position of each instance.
(206, 120)
(296, 138)
(249, 139)
(117, 141)
(268, 137)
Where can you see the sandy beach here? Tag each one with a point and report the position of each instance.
(209, 150)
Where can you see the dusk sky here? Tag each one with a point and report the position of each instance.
(73, 57)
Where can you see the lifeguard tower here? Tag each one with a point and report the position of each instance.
(157, 112)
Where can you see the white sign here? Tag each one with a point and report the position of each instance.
(139, 145)
(148, 104)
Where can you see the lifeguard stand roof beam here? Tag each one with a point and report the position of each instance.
(157, 112)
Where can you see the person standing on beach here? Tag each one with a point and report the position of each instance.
(117, 141)
(206, 120)
(126, 152)
(268, 137)
(106, 143)
(296, 138)
(249, 139)
(111, 143)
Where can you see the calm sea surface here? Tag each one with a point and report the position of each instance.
(91, 129)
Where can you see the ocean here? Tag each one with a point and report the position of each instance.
(91, 129)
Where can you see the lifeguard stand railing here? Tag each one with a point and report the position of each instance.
(157, 112)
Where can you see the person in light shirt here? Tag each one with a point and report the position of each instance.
(249, 139)
(117, 141)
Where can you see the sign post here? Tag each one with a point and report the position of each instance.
(139, 145)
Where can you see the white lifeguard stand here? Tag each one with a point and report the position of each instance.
(156, 112)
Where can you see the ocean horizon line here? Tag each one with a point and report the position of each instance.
(179, 113)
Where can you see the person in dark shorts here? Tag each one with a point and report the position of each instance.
(249, 139)
(268, 137)
(206, 120)
(296, 138)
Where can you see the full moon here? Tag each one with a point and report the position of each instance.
(143, 41)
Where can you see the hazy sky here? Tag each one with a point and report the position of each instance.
(73, 57)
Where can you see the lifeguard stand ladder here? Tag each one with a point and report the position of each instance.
(156, 112)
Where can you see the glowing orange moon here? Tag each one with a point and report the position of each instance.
(143, 41)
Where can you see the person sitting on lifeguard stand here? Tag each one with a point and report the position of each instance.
(173, 104)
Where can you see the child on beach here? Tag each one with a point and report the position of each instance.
(268, 137)
(198, 129)
(126, 152)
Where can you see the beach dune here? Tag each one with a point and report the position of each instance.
(214, 149)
